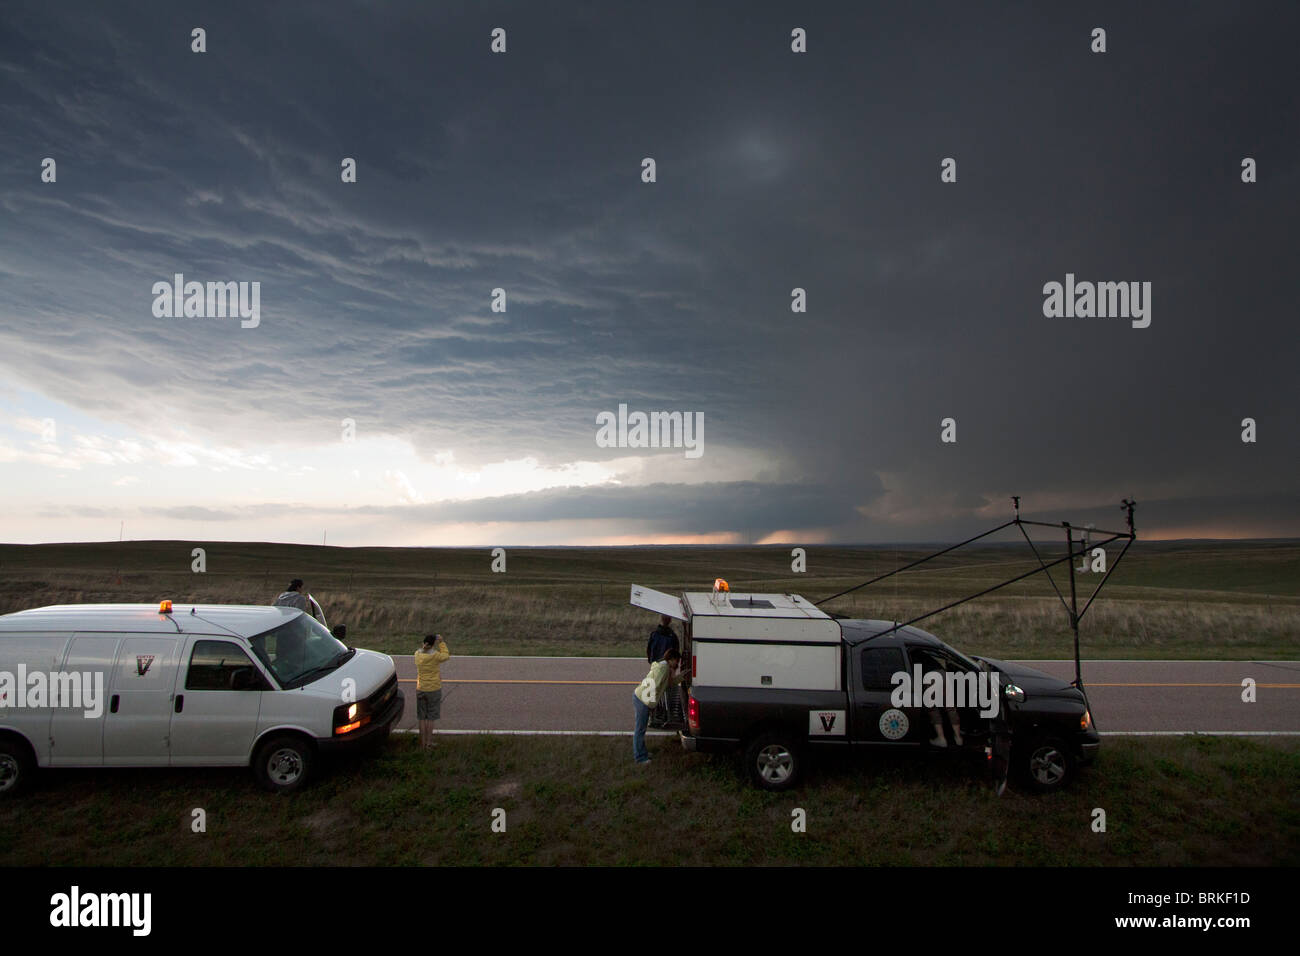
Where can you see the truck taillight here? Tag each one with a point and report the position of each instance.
(693, 714)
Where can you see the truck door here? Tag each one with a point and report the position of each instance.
(75, 739)
(875, 719)
(138, 720)
(218, 701)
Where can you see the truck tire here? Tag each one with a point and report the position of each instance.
(774, 761)
(282, 764)
(1045, 764)
(16, 767)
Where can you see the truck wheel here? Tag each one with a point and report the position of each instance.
(283, 763)
(16, 767)
(1046, 764)
(774, 761)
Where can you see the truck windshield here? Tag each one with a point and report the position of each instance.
(961, 657)
(299, 649)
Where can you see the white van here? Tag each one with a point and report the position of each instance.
(134, 685)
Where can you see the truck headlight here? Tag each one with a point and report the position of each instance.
(1086, 720)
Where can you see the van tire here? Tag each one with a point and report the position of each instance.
(1045, 764)
(774, 761)
(16, 767)
(283, 764)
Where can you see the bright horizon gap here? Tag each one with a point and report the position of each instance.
(645, 544)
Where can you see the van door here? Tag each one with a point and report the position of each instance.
(140, 701)
(75, 739)
(218, 700)
(27, 654)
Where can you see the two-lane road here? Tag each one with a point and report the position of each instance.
(593, 694)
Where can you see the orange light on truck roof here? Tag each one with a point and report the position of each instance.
(720, 585)
(165, 607)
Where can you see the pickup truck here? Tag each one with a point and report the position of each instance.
(776, 679)
(1047, 719)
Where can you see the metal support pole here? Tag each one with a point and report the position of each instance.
(1074, 605)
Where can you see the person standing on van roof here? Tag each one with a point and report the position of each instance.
(662, 640)
(428, 685)
(663, 675)
(298, 597)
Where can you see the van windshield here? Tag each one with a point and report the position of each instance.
(299, 650)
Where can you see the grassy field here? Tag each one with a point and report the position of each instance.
(1166, 600)
(580, 801)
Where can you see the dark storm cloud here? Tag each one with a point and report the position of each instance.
(775, 170)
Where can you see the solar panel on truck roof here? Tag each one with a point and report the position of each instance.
(731, 604)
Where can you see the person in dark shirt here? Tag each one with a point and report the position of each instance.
(662, 638)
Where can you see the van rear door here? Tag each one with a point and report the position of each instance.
(139, 714)
(39, 653)
(75, 739)
(218, 700)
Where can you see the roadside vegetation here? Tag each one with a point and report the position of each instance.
(580, 801)
(1166, 600)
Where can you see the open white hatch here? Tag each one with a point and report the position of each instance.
(657, 601)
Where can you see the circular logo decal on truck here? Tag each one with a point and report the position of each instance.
(893, 724)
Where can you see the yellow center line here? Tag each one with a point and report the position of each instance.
(1238, 685)
(631, 683)
(494, 680)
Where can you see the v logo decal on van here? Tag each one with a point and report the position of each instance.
(142, 663)
(828, 721)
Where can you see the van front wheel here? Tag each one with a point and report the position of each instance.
(15, 767)
(282, 764)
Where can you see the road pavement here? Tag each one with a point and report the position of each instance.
(594, 694)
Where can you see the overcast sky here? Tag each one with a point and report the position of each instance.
(523, 171)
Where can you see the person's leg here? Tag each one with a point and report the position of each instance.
(435, 712)
(639, 753)
(936, 718)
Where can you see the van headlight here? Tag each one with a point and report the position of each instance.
(350, 717)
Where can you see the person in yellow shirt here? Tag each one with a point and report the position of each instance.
(428, 685)
(664, 673)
